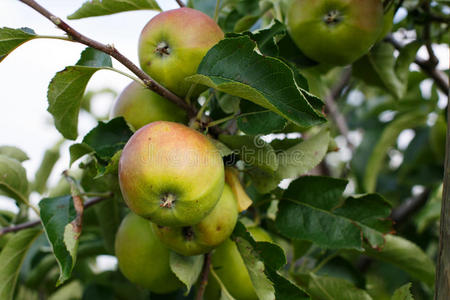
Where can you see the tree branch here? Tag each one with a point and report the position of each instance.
(204, 277)
(409, 207)
(332, 107)
(438, 76)
(110, 50)
(33, 223)
(180, 3)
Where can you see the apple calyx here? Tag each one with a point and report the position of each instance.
(188, 233)
(332, 17)
(167, 200)
(163, 49)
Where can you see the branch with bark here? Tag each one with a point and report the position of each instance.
(34, 223)
(204, 277)
(112, 51)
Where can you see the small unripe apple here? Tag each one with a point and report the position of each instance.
(215, 228)
(171, 174)
(173, 44)
(140, 106)
(230, 268)
(335, 32)
(142, 258)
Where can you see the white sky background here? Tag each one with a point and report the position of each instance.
(26, 73)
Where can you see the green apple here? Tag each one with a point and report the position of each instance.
(140, 106)
(173, 44)
(142, 258)
(335, 32)
(171, 174)
(230, 268)
(204, 236)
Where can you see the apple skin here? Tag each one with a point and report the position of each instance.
(171, 174)
(335, 32)
(206, 235)
(173, 44)
(141, 106)
(230, 268)
(142, 258)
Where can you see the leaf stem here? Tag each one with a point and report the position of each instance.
(180, 3)
(222, 286)
(203, 108)
(54, 37)
(325, 261)
(216, 11)
(127, 75)
(220, 121)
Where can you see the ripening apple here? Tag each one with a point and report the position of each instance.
(171, 174)
(335, 32)
(215, 228)
(173, 44)
(142, 258)
(230, 268)
(140, 106)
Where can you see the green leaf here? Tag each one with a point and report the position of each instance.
(223, 150)
(57, 215)
(403, 293)
(14, 152)
(252, 150)
(387, 140)
(11, 38)
(93, 8)
(256, 120)
(79, 150)
(303, 157)
(13, 179)
(11, 259)
(331, 288)
(51, 157)
(308, 212)
(65, 91)
(186, 268)
(108, 138)
(407, 256)
(262, 260)
(380, 68)
(233, 67)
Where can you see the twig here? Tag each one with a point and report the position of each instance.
(112, 51)
(409, 207)
(180, 3)
(442, 286)
(438, 76)
(33, 223)
(204, 277)
(432, 60)
(332, 107)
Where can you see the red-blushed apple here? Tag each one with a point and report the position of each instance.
(173, 44)
(140, 106)
(142, 258)
(231, 270)
(335, 32)
(171, 174)
(215, 228)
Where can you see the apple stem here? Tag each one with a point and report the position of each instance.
(167, 200)
(204, 277)
(180, 3)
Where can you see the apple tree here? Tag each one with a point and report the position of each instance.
(272, 149)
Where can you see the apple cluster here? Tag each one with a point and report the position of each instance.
(171, 176)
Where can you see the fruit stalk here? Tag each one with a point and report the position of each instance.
(112, 51)
(204, 277)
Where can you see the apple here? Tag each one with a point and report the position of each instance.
(230, 268)
(171, 174)
(335, 32)
(204, 236)
(142, 258)
(140, 106)
(173, 44)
